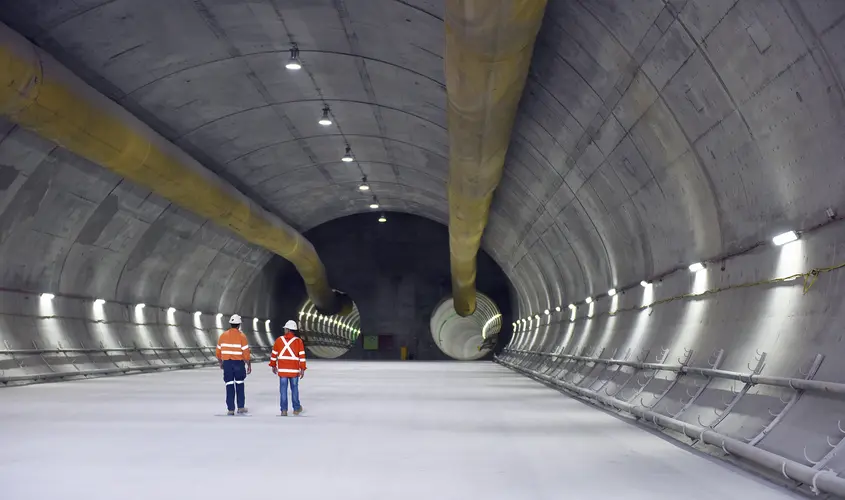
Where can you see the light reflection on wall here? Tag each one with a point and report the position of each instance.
(607, 334)
(643, 318)
(694, 312)
(781, 302)
(141, 325)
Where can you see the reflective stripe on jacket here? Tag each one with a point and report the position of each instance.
(288, 356)
(232, 345)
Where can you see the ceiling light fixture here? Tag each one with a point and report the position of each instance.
(547, 312)
(374, 205)
(572, 306)
(294, 63)
(363, 186)
(382, 219)
(219, 315)
(645, 284)
(557, 308)
(347, 157)
(694, 268)
(140, 306)
(99, 302)
(48, 296)
(171, 310)
(325, 120)
(589, 300)
(611, 292)
(784, 238)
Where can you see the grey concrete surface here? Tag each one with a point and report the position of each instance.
(369, 431)
(652, 134)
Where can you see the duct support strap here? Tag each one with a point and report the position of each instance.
(39, 94)
(489, 44)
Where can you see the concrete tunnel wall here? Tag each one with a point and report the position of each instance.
(652, 134)
(76, 230)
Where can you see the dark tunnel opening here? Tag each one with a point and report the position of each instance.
(396, 272)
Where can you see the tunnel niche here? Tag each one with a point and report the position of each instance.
(466, 338)
(328, 336)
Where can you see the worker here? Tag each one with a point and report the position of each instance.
(288, 361)
(234, 356)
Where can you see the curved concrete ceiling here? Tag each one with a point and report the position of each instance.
(651, 134)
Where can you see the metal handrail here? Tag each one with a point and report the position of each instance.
(821, 480)
(751, 377)
(106, 351)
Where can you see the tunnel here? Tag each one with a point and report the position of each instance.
(533, 249)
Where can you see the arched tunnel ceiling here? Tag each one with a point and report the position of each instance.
(651, 133)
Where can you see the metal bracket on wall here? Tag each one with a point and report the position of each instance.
(587, 365)
(621, 387)
(717, 357)
(68, 358)
(659, 359)
(612, 375)
(721, 415)
(796, 395)
(604, 367)
(683, 362)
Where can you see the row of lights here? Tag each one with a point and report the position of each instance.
(170, 310)
(331, 321)
(779, 240)
(294, 64)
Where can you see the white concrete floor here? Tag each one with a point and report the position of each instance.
(371, 431)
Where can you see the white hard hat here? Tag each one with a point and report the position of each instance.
(291, 325)
(235, 320)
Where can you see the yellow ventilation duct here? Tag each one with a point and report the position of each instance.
(489, 44)
(41, 95)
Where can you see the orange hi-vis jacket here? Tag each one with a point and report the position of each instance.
(288, 356)
(232, 345)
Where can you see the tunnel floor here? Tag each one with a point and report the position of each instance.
(370, 431)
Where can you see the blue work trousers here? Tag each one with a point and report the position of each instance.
(234, 374)
(294, 393)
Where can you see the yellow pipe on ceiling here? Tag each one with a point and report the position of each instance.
(40, 94)
(489, 44)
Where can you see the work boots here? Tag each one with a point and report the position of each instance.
(242, 410)
(284, 413)
(297, 412)
(231, 412)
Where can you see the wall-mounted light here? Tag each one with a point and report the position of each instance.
(611, 292)
(784, 238)
(99, 302)
(294, 63)
(47, 296)
(589, 300)
(645, 284)
(325, 119)
(347, 157)
(694, 268)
